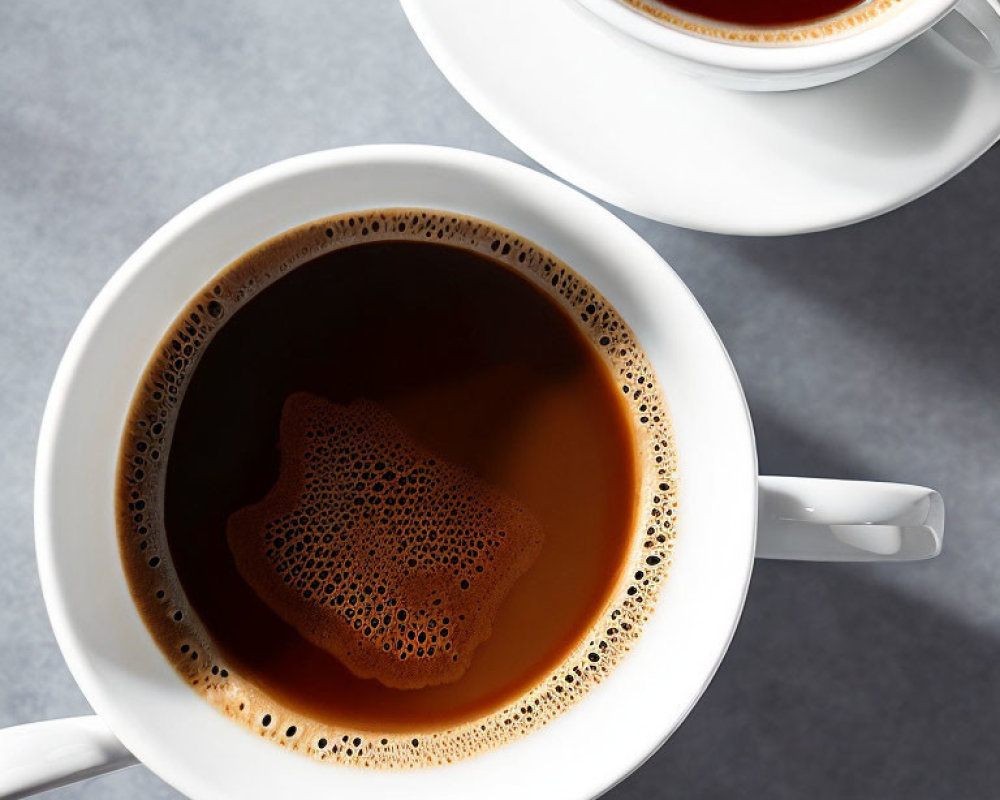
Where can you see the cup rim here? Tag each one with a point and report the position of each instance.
(883, 37)
(109, 685)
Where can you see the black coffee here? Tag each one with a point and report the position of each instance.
(763, 13)
(384, 480)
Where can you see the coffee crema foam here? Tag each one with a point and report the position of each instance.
(323, 549)
(156, 588)
(853, 20)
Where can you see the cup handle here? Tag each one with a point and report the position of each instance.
(973, 27)
(44, 755)
(813, 519)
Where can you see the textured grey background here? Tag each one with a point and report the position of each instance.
(870, 352)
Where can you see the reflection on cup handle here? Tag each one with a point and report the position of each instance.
(44, 755)
(973, 27)
(813, 519)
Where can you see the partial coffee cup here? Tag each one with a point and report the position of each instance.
(761, 46)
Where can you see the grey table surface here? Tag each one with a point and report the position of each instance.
(870, 352)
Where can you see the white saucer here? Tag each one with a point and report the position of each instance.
(605, 113)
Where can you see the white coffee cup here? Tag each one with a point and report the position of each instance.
(808, 55)
(727, 514)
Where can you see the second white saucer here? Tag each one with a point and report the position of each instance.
(606, 113)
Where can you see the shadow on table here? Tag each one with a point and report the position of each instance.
(836, 687)
(925, 278)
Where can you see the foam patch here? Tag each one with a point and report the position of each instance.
(393, 560)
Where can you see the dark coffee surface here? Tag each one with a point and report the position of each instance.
(764, 13)
(479, 367)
